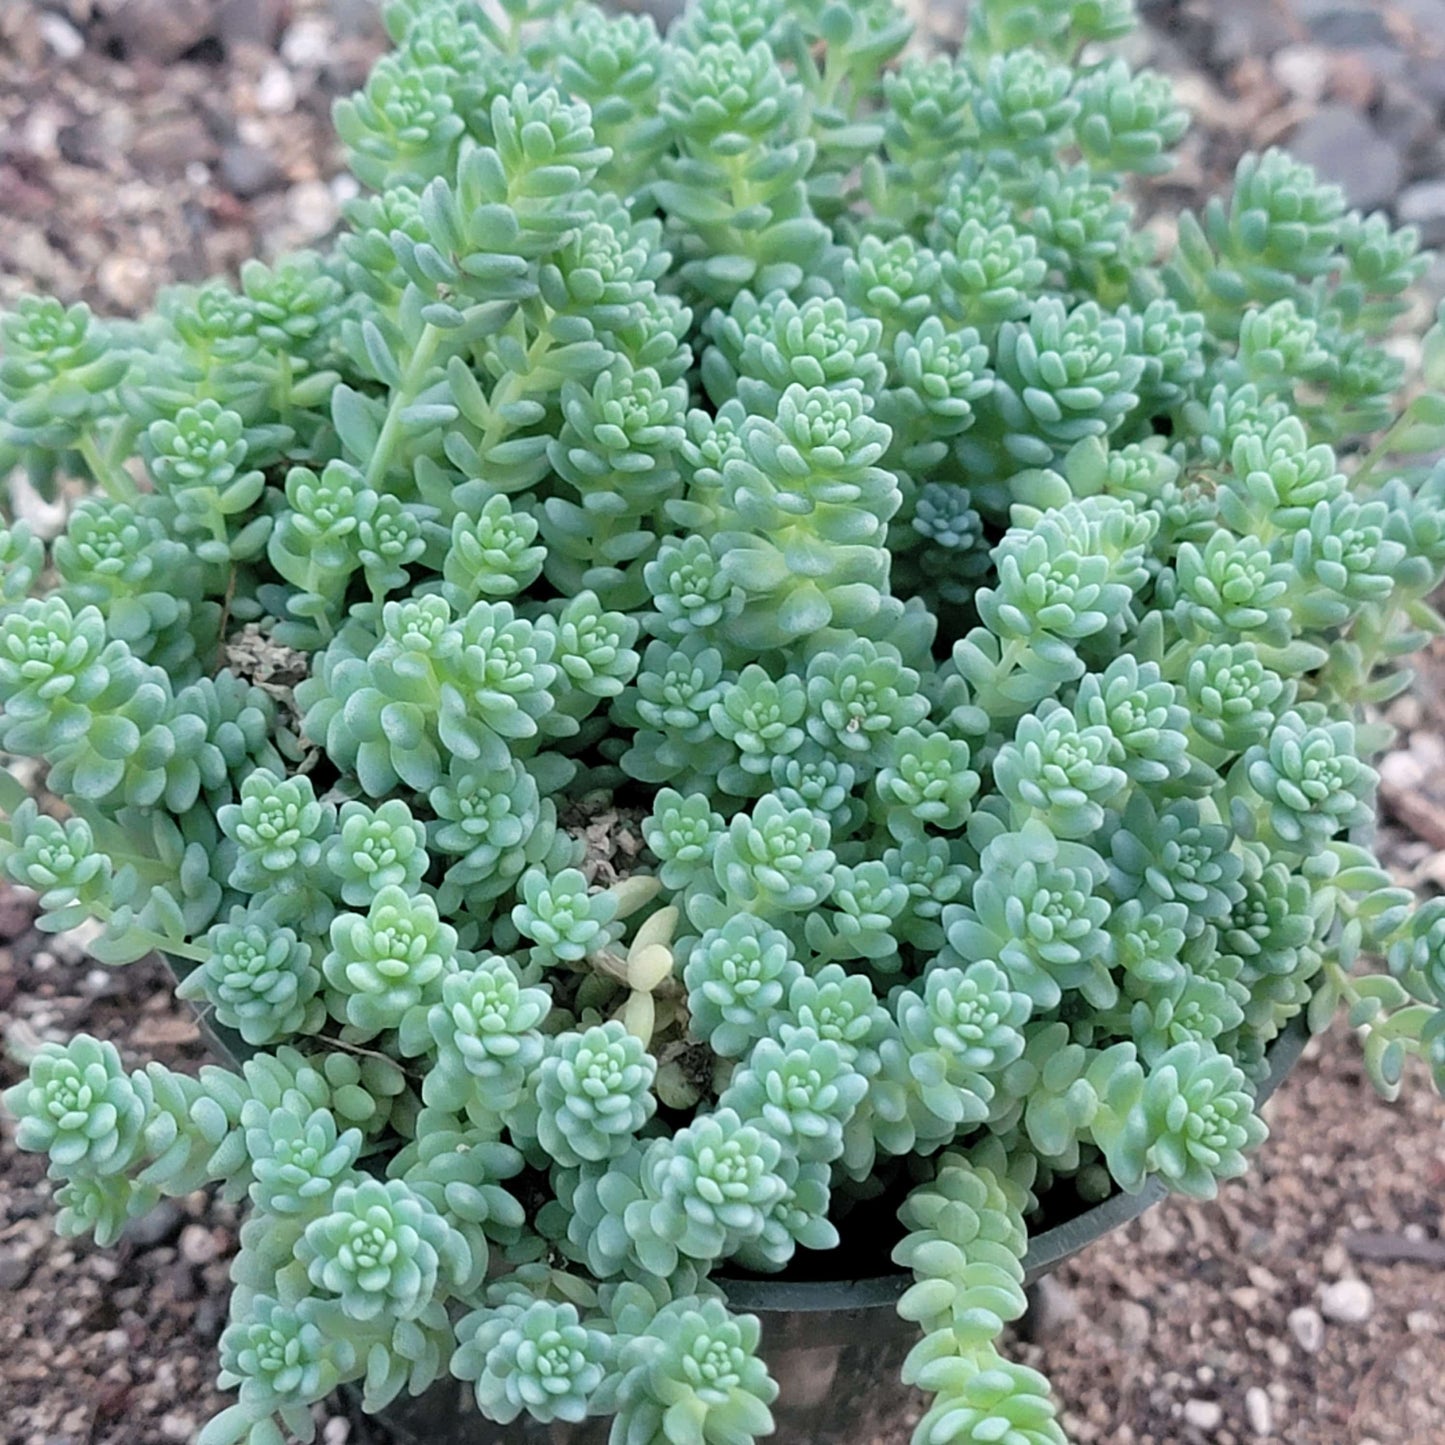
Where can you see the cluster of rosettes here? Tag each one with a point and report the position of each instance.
(740, 639)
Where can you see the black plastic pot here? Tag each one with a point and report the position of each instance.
(835, 1347)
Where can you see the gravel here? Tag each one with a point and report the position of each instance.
(1423, 205)
(1308, 1327)
(1347, 149)
(1347, 1301)
(1344, 25)
(1205, 1415)
(1259, 1411)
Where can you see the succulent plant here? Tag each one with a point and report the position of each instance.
(740, 638)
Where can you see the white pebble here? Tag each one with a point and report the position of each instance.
(1308, 1329)
(275, 91)
(74, 944)
(313, 208)
(309, 42)
(1303, 70)
(1260, 1411)
(1349, 1301)
(198, 1245)
(344, 187)
(60, 35)
(1203, 1414)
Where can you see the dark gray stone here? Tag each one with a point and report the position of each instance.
(1426, 74)
(160, 30)
(250, 22)
(1345, 148)
(1051, 1307)
(155, 1227)
(248, 171)
(1407, 120)
(1423, 205)
(1428, 16)
(16, 1266)
(355, 17)
(210, 1319)
(1245, 28)
(1342, 23)
(180, 1280)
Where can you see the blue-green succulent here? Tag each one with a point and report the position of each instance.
(747, 641)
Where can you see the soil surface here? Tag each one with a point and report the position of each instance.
(150, 141)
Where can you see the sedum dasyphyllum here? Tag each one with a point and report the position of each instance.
(784, 454)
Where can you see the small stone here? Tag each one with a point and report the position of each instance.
(161, 30)
(73, 945)
(1246, 27)
(1135, 1324)
(1345, 148)
(1355, 79)
(250, 22)
(1427, 75)
(308, 43)
(1203, 1414)
(313, 208)
(1051, 1308)
(1423, 205)
(169, 143)
(154, 1227)
(210, 1318)
(248, 171)
(357, 18)
(812, 1374)
(125, 280)
(1259, 1411)
(1347, 1301)
(336, 1431)
(178, 1427)
(17, 1264)
(17, 912)
(275, 91)
(1426, 15)
(179, 1281)
(65, 41)
(1421, 1322)
(1344, 23)
(1308, 1328)
(1303, 70)
(344, 188)
(198, 1245)
(1408, 121)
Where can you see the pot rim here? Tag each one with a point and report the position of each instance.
(1046, 1251)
